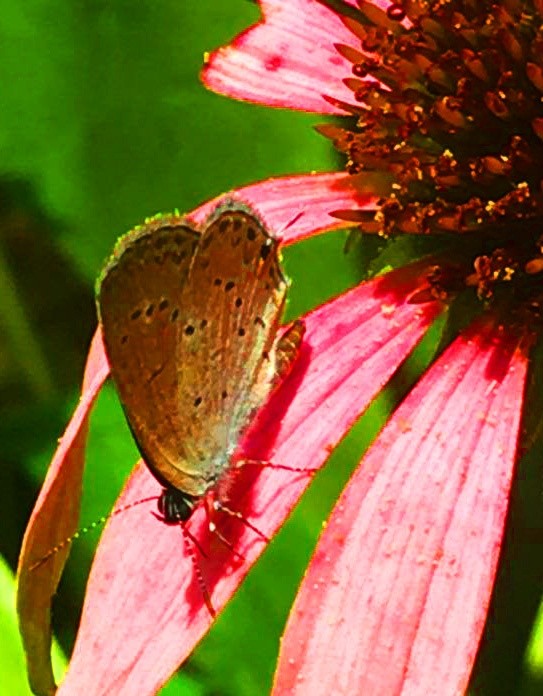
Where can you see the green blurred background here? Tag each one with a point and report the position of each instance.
(104, 122)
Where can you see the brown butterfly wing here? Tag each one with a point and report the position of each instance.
(232, 302)
(140, 307)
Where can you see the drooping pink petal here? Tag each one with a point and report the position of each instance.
(287, 60)
(311, 196)
(54, 518)
(144, 610)
(395, 598)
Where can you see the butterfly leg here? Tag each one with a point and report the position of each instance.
(271, 465)
(212, 504)
(220, 507)
(190, 545)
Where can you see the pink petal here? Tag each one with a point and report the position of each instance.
(312, 196)
(144, 611)
(396, 596)
(54, 518)
(287, 60)
(382, 4)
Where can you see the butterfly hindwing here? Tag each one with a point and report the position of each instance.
(139, 303)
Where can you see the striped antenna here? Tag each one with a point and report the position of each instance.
(89, 528)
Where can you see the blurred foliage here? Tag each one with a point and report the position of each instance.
(105, 122)
(12, 661)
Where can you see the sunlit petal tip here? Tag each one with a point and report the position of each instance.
(286, 60)
(396, 595)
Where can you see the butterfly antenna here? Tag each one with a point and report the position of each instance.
(190, 545)
(89, 528)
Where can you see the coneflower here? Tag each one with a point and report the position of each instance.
(442, 137)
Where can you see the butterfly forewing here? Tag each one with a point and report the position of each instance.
(139, 302)
(233, 301)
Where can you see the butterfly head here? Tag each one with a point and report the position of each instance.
(176, 506)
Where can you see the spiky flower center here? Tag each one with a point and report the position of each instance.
(450, 115)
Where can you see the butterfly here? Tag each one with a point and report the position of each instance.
(190, 318)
